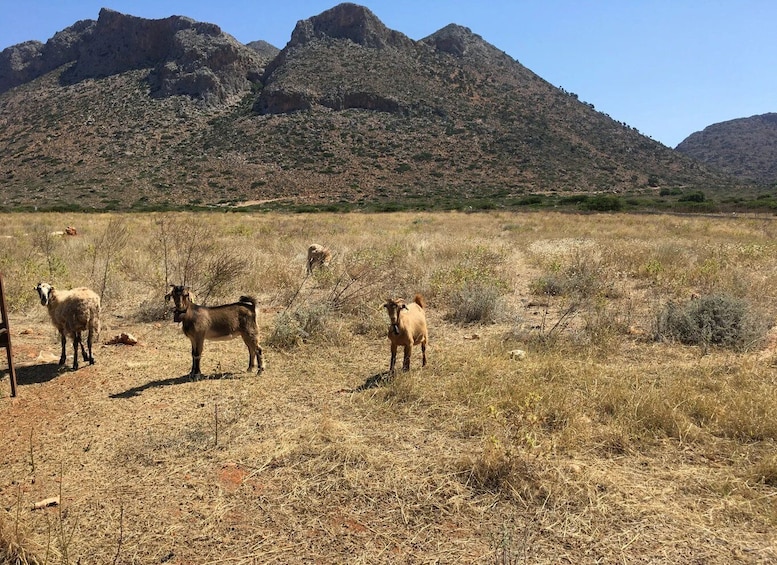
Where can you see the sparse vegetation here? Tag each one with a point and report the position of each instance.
(601, 443)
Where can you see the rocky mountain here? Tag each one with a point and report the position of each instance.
(745, 147)
(128, 113)
(184, 56)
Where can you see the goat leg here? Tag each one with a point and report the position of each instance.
(63, 357)
(406, 360)
(423, 354)
(76, 343)
(196, 354)
(393, 357)
(89, 338)
(83, 349)
(259, 360)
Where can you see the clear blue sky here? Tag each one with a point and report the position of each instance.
(667, 67)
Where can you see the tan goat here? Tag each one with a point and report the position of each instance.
(216, 323)
(407, 328)
(318, 256)
(72, 312)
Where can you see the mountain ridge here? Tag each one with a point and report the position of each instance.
(349, 112)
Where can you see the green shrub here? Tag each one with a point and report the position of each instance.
(603, 203)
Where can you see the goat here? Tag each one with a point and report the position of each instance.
(407, 328)
(318, 256)
(72, 312)
(217, 323)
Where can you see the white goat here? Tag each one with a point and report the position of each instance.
(318, 256)
(407, 328)
(72, 312)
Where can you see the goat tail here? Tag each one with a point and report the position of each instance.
(420, 300)
(249, 301)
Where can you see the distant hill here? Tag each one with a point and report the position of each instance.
(130, 113)
(745, 147)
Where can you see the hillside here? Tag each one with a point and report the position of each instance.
(745, 147)
(127, 113)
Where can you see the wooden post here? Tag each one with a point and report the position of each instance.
(5, 337)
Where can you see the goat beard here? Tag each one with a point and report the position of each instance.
(395, 328)
(177, 316)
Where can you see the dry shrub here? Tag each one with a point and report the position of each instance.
(765, 471)
(308, 322)
(13, 545)
(498, 469)
(476, 302)
(585, 276)
(712, 320)
(191, 254)
(368, 321)
(474, 270)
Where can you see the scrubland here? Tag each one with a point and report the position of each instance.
(639, 426)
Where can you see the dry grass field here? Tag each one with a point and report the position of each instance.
(621, 436)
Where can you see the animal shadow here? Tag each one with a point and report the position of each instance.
(184, 379)
(374, 381)
(37, 374)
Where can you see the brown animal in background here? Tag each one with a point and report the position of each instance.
(407, 328)
(318, 256)
(70, 230)
(216, 323)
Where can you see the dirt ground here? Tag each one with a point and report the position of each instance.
(479, 457)
(299, 466)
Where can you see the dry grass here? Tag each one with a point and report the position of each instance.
(602, 445)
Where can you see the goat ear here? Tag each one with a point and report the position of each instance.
(404, 307)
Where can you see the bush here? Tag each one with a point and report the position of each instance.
(603, 203)
(475, 303)
(584, 277)
(286, 333)
(711, 320)
(308, 322)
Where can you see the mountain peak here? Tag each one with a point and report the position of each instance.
(348, 21)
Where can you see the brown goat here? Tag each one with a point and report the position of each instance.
(407, 328)
(217, 323)
(318, 256)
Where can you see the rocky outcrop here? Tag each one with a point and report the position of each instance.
(346, 26)
(26, 61)
(185, 57)
(349, 21)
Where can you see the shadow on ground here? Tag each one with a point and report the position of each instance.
(374, 381)
(135, 391)
(35, 374)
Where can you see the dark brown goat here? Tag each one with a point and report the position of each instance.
(407, 328)
(217, 323)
